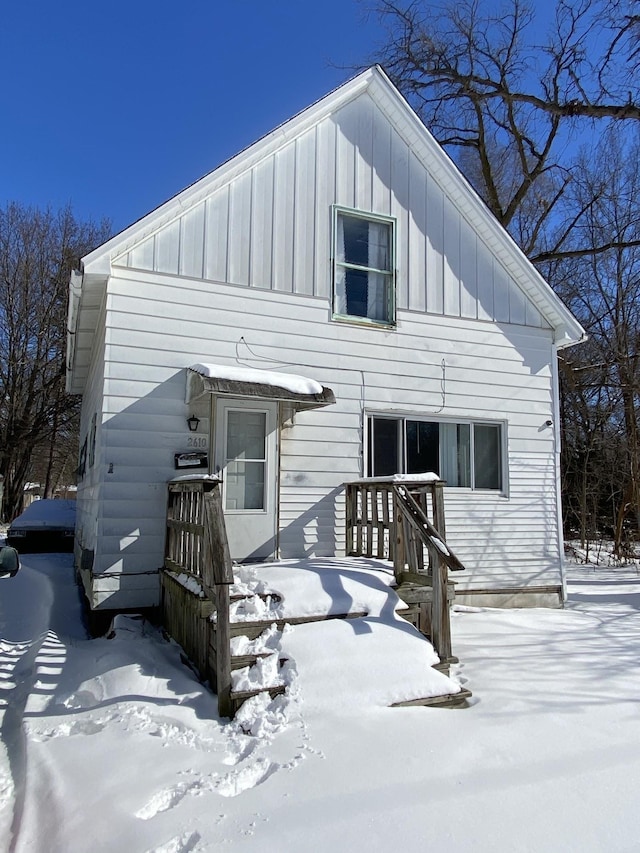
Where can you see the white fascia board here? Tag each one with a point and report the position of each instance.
(75, 289)
(438, 163)
(79, 321)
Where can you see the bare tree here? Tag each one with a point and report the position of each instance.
(38, 249)
(508, 103)
(591, 446)
(539, 107)
(604, 290)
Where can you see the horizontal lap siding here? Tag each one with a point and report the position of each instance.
(316, 459)
(159, 325)
(307, 328)
(504, 542)
(144, 427)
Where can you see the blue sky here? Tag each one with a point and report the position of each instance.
(116, 107)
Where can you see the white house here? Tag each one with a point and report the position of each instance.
(333, 302)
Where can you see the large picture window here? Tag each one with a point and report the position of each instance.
(363, 268)
(467, 454)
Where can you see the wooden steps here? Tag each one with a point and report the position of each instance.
(263, 596)
(240, 661)
(246, 661)
(252, 630)
(200, 610)
(240, 696)
(452, 700)
(395, 521)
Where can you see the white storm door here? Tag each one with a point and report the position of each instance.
(246, 456)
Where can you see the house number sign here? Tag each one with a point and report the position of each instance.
(197, 442)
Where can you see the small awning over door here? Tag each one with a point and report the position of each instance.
(220, 379)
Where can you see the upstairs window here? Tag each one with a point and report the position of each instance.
(363, 274)
(464, 454)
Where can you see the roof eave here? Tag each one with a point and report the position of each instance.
(474, 209)
(99, 261)
(374, 81)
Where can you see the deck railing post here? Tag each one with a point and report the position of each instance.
(441, 582)
(350, 518)
(437, 508)
(359, 517)
(223, 651)
(367, 512)
(438, 603)
(399, 529)
(196, 543)
(398, 540)
(219, 570)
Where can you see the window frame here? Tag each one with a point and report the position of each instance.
(366, 216)
(401, 419)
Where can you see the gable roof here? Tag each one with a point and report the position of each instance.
(97, 264)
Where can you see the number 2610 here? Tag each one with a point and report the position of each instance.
(197, 441)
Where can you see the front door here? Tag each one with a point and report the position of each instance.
(246, 457)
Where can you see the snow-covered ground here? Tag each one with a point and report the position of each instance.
(113, 745)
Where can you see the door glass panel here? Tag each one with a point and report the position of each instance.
(246, 433)
(245, 460)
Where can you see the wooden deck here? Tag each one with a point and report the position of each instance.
(198, 576)
(402, 520)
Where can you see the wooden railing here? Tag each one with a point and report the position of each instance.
(197, 546)
(403, 521)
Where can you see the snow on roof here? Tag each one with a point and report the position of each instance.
(290, 381)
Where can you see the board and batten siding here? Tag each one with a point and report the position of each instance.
(430, 366)
(270, 227)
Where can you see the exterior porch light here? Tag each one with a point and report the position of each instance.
(192, 423)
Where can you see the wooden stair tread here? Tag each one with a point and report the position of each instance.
(253, 629)
(240, 661)
(450, 700)
(243, 695)
(239, 596)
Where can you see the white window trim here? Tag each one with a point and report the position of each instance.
(503, 491)
(338, 210)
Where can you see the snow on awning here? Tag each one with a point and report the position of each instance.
(256, 384)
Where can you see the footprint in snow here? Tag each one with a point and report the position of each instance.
(80, 727)
(164, 800)
(184, 843)
(231, 785)
(237, 781)
(238, 750)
